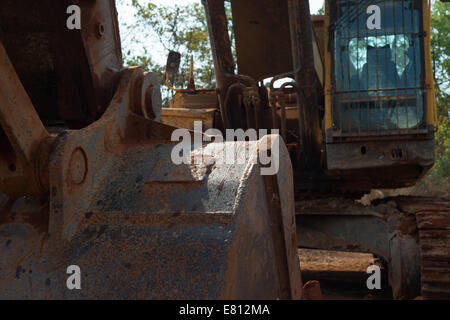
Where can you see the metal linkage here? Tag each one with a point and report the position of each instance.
(251, 101)
(24, 151)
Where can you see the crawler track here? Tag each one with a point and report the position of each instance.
(433, 223)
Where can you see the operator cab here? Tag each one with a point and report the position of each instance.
(380, 105)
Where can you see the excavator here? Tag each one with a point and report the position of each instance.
(88, 185)
(356, 110)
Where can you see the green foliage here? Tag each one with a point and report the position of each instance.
(442, 165)
(181, 28)
(321, 10)
(437, 182)
(440, 50)
(439, 176)
(146, 61)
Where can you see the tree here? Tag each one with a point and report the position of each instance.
(440, 46)
(321, 10)
(181, 28)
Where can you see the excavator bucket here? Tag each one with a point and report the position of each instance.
(118, 203)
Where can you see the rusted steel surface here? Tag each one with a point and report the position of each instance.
(263, 44)
(318, 22)
(433, 223)
(220, 40)
(243, 102)
(409, 158)
(332, 206)
(359, 233)
(87, 62)
(185, 118)
(69, 74)
(140, 226)
(312, 290)
(114, 203)
(279, 192)
(303, 63)
(221, 51)
(188, 106)
(380, 229)
(198, 99)
(24, 34)
(24, 135)
(411, 234)
(17, 114)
